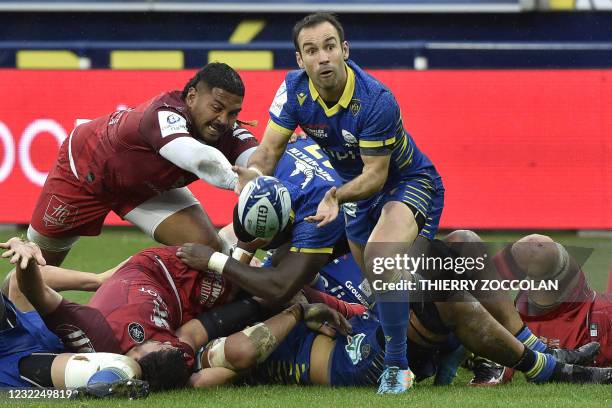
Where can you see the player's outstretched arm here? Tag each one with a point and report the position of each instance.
(277, 284)
(370, 181)
(206, 162)
(26, 256)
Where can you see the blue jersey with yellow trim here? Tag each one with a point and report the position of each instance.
(366, 120)
(308, 175)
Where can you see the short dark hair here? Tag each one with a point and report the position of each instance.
(315, 19)
(216, 75)
(164, 369)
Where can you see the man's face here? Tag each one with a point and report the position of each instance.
(322, 55)
(149, 346)
(214, 111)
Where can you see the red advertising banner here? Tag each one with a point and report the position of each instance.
(516, 149)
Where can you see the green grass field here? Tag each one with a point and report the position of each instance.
(116, 244)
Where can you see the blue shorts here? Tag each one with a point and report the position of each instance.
(423, 193)
(289, 363)
(30, 335)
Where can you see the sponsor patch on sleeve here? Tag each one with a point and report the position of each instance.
(171, 123)
(279, 100)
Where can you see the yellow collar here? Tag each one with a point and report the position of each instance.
(345, 99)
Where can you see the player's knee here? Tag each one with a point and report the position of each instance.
(537, 255)
(240, 351)
(462, 236)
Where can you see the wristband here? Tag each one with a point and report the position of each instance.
(217, 262)
(256, 170)
(242, 255)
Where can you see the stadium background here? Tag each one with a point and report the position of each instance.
(510, 98)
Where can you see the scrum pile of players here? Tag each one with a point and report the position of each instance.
(202, 312)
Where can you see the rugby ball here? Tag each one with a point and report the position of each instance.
(264, 206)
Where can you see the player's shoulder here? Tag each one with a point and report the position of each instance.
(296, 80)
(168, 107)
(369, 88)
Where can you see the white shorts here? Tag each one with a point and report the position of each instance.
(148, 215)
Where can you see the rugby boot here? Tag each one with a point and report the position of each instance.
(583, 355)
(395, 381)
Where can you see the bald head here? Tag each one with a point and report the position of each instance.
(539, 256)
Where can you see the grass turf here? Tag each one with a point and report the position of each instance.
(116, 244)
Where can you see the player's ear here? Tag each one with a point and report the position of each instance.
(345, 50)
(298, 58)
(191, 95)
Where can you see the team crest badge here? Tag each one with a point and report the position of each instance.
(59, 214)
(301, 97)
(136, 332)
(355, 107)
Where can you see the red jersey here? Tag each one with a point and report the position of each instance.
(584, 317)
(117, 154)
(149, 298)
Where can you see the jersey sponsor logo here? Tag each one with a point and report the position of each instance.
(74, 338)
(356, 293)
(136, 332)
(212, 288)
(350, 154)
(316, 131)
(279, 100)
(353, 348)
(301, 97)
(171, 123)
(308, 167)
(59, 214)
(349, 138)
(159, 314)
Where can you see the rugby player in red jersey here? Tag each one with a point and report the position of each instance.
(566, 318)
(569, 317)
(135, 312)
(137, 162)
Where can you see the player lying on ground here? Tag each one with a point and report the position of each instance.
(397, 191)
(134, 312)
(137, 162)
(282, 350)
(569, 317)
(32, 356)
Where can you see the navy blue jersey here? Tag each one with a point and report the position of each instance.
(308, 175)
(366, 120)
(342, 278)
(29, 335)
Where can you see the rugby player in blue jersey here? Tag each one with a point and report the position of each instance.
(397, 190)
(283, 350)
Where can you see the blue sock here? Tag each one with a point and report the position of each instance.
(394, 315)
(538, 367)
(529, 339)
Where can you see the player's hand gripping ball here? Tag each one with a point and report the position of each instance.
(264, 206)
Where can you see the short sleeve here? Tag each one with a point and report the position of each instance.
(161, 126)
(242, 146)
(283, 116)
(382, 126)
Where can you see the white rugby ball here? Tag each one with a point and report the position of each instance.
(264, 206)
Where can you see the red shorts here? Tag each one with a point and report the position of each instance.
(70, 207)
